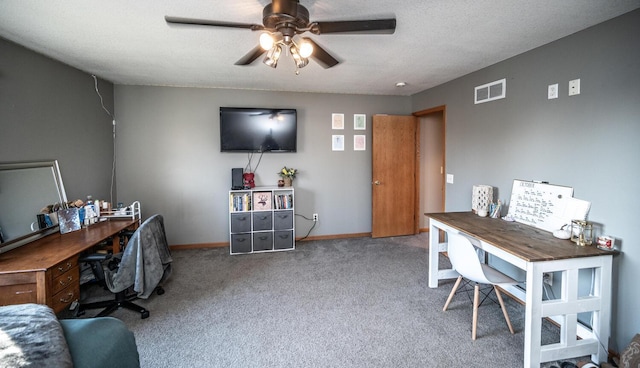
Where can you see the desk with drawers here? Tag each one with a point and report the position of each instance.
(46, 271)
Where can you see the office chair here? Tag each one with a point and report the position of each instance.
(464, 260)
(142, 265)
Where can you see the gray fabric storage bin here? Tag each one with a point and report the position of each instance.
(283, 220)
(240, 222)
(241, 243)
(262, 221)
(283, 239)
(262, 241)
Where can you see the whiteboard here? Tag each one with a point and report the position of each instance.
(545, 206)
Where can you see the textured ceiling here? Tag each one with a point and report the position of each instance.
(128, 42)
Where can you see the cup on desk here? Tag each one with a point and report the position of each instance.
(482, 212)
(53, 217)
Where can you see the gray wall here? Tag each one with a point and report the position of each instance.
(50, 111)
(588, 141)
(169, 158)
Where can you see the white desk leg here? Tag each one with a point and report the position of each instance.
(602, 318)
(434, 239)
(533, 316)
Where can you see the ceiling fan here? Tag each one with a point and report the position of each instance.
(283, 21)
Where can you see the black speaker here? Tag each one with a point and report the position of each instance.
(236, 178)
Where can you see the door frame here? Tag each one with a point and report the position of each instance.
(418, 114)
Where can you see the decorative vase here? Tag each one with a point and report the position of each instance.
(287, 181)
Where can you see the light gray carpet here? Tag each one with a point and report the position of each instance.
(340, 303)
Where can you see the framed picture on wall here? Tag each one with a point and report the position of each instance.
(337, 121)
(359, 121)
(337, 142)
(359, 142)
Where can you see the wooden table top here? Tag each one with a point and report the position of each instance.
(523, 241)
(46, 252)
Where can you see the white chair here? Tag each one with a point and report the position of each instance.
(464, 260)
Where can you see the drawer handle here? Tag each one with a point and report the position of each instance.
(69, 265)
(69, 279)
(70, 295)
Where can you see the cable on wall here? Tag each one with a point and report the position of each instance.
(248, 168)
(95, 83)
(312, 226)
(113, 163)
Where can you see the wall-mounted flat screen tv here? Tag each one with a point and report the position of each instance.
(245, 129)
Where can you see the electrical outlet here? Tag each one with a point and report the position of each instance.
(547, 278)
(315, 217)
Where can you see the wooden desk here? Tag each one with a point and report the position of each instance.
(536, 252)
(46, 271)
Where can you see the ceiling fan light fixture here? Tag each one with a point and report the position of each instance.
(284, 20)
(300, 61)
(266, 41)
(306, 49)
(272, 56)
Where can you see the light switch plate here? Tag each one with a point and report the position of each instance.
(552, 92)
(449, 178)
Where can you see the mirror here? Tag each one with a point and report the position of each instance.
(25, 189)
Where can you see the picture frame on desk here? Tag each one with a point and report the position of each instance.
(262, 201)
(69, 220)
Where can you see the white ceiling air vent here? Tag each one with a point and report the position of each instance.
(491, 91)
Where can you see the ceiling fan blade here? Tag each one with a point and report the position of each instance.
(251, 56)
(214, 23)
(321, 56)
(379, 26)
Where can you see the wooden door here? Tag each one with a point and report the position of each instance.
(394, 176)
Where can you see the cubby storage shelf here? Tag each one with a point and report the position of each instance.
(261, 219)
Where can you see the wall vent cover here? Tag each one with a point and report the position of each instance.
(491, 91)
